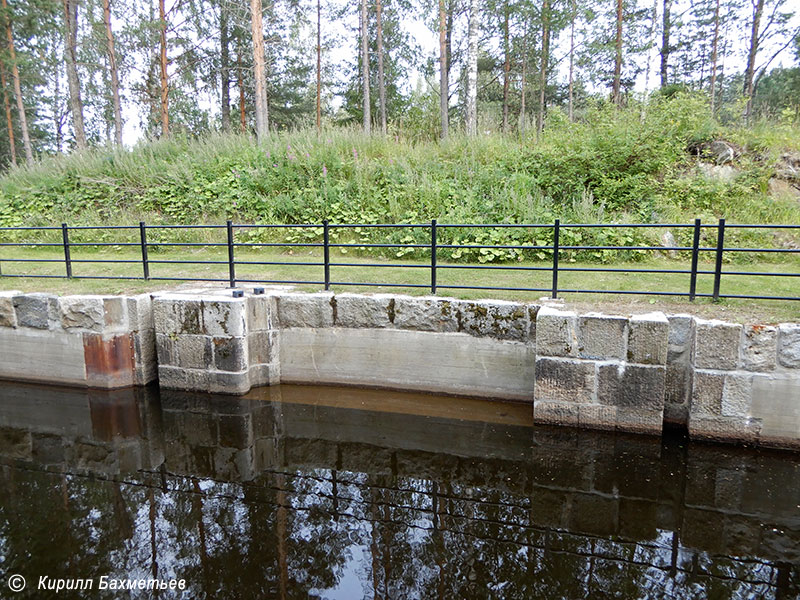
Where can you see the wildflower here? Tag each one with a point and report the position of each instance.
(355, 153)
(308, 155)
(274, 164)
(324, 171)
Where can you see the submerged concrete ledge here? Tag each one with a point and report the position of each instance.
(722, 381)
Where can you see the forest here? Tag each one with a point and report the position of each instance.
(292, 111)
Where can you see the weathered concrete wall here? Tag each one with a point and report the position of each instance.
(94, 341)
(722, 381)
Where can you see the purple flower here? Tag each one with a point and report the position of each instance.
(274, 164)
(268, 154)
(324, 171)
(308, 155)
(355, 153)
(391, 162)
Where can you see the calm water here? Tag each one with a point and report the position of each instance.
(298, 492)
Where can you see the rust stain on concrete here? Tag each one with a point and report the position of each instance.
(109, 361)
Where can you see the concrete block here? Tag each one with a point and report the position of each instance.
(716, 345)
(759, 348)
(115, 314)
(262, 347)
(678, 384)
(140, 312)
(648, 339)
(194, 351)
(261, 311)
(36, 310)
(776, 401)
(109, 360)
(676, 414)
(230, 353)
(453, 363)
(225, 382)
(556, 413)
(597, 416)
(601, 336)
(533, 312)
(82, 312)
(426, 314)
(497, 319)
(556, 332)
(264, 374)
(178, 314)
(681, 332)
(737, 392)
(789, 345)
(167, 349)
(639, 420)
(305, 310)
(724, 429)
(42, 355)
(354, 310)
(707, 388)
(8, 316)
(224, 316)
(631, 386)
(561, 380)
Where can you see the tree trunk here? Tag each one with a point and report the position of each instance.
(444, 84)
(652, 44)
(163, 65)
(23, 121)
(665, 49)
(319, 67)
(365, 67)
(545, 61)
(573, 16)
(9, 122)
(224, 68)
(240, 83)
(758, 9)
(523, 83)
(472, 70)
(70, 43)
(112, 63)
(714, 58)
(616, 93)
(259, 70)
(506, 67)
(381, 81)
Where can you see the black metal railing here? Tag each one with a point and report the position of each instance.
(555, 249)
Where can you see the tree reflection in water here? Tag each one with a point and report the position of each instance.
(296, 492)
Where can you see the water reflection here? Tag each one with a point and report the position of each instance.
(296, 492)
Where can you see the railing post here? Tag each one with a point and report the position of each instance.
(720, 248)
(67, 259)
(695, 256)
(143, 240)
(433, 256)
(231, 266)
(326, 252)
(556, 234)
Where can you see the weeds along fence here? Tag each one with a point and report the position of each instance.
(435, 248)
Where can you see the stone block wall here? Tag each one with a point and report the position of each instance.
(723, 381)
(94, 341)
(214, 342)
(600, 371)
(746, 383)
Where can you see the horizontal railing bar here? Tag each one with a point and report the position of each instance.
(508, 247)
(186, 279)
(288, 264)
(34, 244)
(34, 276)
(614, 270)
(755, 226)
(185, 226)
(103, 243)
(743, 297)
(194, 244)
(58, 260)
(379, 245)
(756, 250)
(185, 262)
(379, 225)
(401, 285)
(578, 291)
(757, 273)
(100, 227)
(103, 260)
(664, 248)
(400, 266)
(637, 225)
(276, 226)
(269, 244)
(495, 267)
(479, 287)
(46, 228)
(279, 281)
(139, 278)
(501, 225)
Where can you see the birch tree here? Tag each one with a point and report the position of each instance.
(472, 70)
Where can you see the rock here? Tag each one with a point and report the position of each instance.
(668, 241)
(780, 188)
(82, 312)
(718, 172)
(788, 167)
(722, 152)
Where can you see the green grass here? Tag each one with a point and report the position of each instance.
(448, 274)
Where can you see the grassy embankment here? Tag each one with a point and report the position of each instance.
(614, 167)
